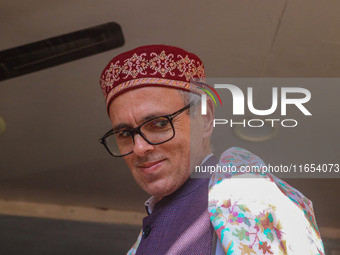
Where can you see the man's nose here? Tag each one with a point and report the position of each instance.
(141, 147)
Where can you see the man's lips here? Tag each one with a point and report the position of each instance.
(150, 166)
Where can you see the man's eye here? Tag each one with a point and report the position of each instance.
(160, 123)
(124, 134)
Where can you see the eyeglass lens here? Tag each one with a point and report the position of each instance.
(154, 131)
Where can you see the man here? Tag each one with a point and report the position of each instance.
(149, 96)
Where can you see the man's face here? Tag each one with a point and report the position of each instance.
(158, 169)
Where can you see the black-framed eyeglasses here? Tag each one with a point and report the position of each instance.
(154, 131)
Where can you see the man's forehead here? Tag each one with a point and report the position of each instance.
(147, 95)
(143, 104)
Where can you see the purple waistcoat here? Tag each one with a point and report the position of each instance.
(179, 223)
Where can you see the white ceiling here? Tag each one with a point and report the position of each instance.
(50, 150)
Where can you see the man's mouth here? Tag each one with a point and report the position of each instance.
(151, 166)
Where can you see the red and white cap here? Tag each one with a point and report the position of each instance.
(151, 65)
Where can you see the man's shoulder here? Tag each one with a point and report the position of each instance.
(247, 171)
(255, 208)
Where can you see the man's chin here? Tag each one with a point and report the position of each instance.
(160, 188)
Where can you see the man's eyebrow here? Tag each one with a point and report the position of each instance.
(121, 126)
(151, 116)
(142, 120)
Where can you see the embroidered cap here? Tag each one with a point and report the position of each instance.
(151, 65)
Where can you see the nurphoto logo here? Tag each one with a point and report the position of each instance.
(238, 107)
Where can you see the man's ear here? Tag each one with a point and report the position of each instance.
(208, 119)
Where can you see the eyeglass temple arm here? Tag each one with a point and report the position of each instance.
(181, 110)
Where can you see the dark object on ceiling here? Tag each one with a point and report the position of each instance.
(60, 49)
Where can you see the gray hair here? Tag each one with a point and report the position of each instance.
(194, 98)
(188, 98)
